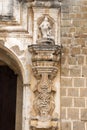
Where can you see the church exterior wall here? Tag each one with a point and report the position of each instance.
(71, 80)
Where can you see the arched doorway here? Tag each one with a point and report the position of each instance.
(11, 90)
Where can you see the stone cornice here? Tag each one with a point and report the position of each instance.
(44, 3)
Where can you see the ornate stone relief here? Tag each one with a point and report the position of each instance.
(45, 60)
(44, 101)
(45, 52)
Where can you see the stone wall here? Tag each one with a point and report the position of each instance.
(17, 33)
(74, 65)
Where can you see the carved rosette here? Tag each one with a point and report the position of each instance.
(45, 61)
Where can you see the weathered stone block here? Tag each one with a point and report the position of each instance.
(84, 51)
(72, 60)
(80, 41)
(65, 50)
(73, 114)
(66, 102)
(65, 71)
(73, 92)
(72, 15)
(63, 91)
(75, 50)
(84, 114)
(66, 23)
(80, 60)
(75, 71)
(79, 102)
(84, 9)
(65, 9)
(72, 30)
(83, 92)
(66, 126)
(63, 113)
(79, 82)
(63, 60)
(78, 125)
(84, 71)
(66, 82)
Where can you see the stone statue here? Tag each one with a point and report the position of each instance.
(46, 28)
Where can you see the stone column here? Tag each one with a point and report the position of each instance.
(26, 106)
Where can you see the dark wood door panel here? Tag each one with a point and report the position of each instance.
(8, 83)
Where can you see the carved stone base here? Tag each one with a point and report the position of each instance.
(50, 124)
(46, 41)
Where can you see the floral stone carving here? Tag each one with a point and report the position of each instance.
(44, 101)
(45, 61)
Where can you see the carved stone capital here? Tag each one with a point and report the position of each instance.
(45, 57)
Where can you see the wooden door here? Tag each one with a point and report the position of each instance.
(8, 83)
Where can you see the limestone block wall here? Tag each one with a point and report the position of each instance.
(74, 65)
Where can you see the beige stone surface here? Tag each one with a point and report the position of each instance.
(66, 126)
(79, 102)
(73, 113)
(78, 125)
(73, 92)
(66, 102)
(83, 114)
(63, 113)
(70, 30)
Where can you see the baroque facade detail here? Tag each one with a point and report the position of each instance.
(45, 60)
(45, 50)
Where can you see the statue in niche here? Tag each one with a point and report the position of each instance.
(46, 28)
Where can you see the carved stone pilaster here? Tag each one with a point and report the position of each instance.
(45, 61)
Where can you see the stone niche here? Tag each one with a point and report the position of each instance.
(38, 14)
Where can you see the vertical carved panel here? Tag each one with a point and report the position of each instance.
(45, 52)
(45, 60)
(44, 98)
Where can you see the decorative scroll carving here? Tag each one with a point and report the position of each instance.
(44, 101)
(45, 60)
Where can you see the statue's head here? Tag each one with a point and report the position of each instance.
(46, 18)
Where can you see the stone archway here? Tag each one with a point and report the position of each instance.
(9, 59)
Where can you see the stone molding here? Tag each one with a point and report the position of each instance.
(44, 3)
